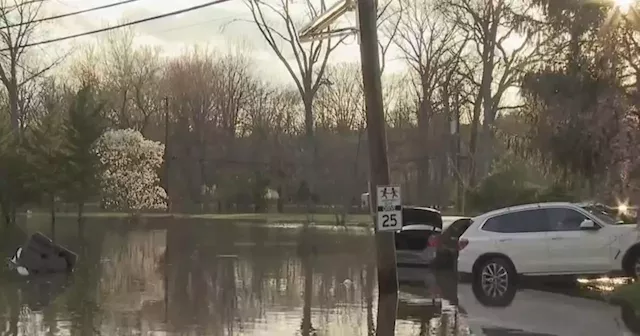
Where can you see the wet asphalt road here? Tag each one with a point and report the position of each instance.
(189, 277)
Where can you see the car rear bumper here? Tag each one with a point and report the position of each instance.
(420, 258)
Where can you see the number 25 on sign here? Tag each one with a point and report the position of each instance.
(389, 212)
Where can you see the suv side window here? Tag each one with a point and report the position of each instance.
(518, 222)
(457, 228)
(563, 219)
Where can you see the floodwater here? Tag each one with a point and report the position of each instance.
(196, 277)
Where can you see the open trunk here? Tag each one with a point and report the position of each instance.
(415, 243)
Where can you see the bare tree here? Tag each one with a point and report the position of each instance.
(232, 84)
(504, 50)
(305, 63)
(341, 116)
(309, 60)
(208, 95)
(389, 17)
(271, 122)
(18, 20)
(431, 46)
(341, 101)
(130, 76)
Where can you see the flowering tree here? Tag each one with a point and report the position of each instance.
(128, 175)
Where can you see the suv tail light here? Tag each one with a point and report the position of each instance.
(433, 241)
(462, 243)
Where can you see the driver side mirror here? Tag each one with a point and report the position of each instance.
(589, 225)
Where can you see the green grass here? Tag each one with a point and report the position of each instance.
(321, 219)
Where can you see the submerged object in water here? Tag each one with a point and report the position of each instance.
(40, 255)
(14, 262)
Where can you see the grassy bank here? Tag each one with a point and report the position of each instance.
(320, 219)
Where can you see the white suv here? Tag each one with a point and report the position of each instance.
(546, 239)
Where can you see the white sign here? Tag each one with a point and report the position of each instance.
(389, 208)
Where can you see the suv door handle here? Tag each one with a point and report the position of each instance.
(504, 240)
(556, 238)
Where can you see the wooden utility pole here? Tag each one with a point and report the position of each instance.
(378, 163)
(167, 159)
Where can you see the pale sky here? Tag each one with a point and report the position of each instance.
(222, 27)
(219, 26)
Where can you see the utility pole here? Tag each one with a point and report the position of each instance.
(167, 159)
(460, 196)
(379, 165)
(319, 29)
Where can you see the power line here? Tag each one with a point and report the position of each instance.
(192, 25)
(60, 16)
(102, 30)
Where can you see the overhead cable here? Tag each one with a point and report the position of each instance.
(102, 30)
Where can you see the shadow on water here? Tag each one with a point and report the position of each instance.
(197, 277)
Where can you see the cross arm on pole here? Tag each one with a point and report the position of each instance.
(319, 27)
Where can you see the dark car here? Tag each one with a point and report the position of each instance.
(416, 242)
(447, 241)
(429, 239)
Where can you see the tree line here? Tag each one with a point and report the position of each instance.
(499, 102)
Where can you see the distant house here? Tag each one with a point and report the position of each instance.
(364, 201)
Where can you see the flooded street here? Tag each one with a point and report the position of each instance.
(194, 277)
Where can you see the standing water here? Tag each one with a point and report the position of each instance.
(197, 277)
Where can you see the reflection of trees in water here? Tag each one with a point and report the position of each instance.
(269, 276)
(448, 324)
(431, 321)
(130, 269)
(131, 278)
(195, 280)
(322, 287)
(82, 302)
(368, 278)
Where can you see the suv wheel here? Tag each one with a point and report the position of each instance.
(494, 282)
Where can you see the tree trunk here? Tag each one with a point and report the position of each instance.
(14, 108)
(424, 156)
(53, 216)
(80, 210)
(280, 200)
(473, 141)
(309, 156)
(368, 288)
(486, 136)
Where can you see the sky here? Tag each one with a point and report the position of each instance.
(222, 27)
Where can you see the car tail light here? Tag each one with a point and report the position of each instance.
(462, 243)
(433, 241)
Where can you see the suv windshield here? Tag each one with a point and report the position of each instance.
(608, 215)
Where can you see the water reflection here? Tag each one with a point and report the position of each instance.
(189, 277)
(545, 309)
(180, 277)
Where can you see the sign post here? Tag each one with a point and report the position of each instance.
(389, 208)
(367, 11)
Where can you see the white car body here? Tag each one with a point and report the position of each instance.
(552, 251)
